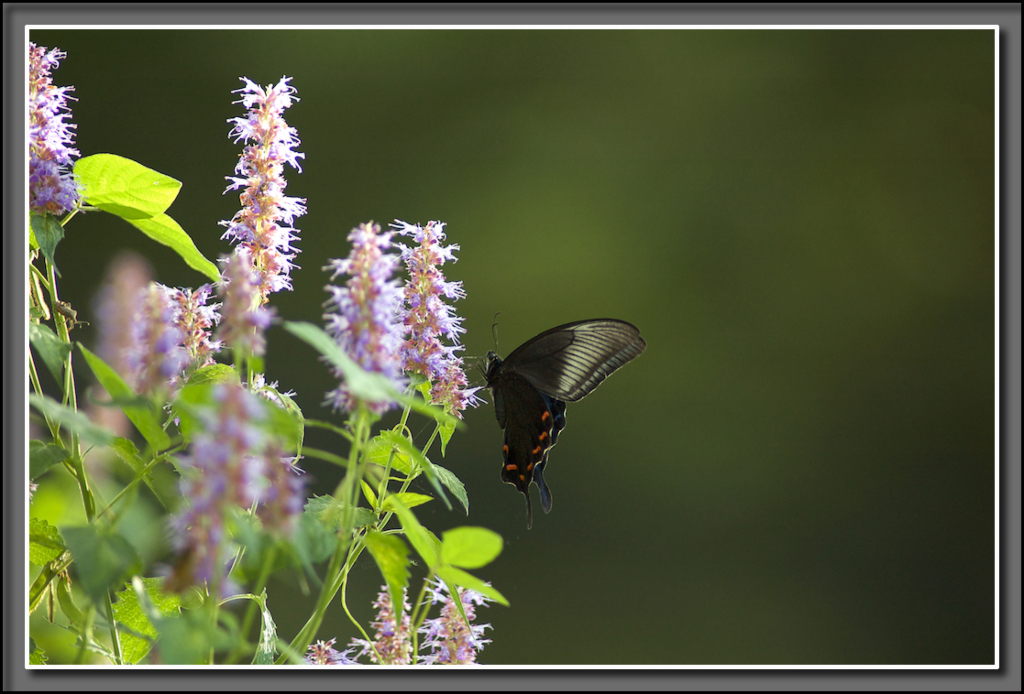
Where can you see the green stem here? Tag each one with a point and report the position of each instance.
(335, 573)
(250, 613)
(115, 637)
(70, 398)
(131, 485)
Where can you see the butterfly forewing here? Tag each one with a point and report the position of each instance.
(570, 361)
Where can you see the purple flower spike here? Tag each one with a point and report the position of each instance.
(244, 320)
(450, 639)
(155, 357)
(195, 319)
(323, 653)
(263, 225)
(225, 470)
(429, 318)
(282, 500)
(365, 316)
(52, 187)
(393, 643)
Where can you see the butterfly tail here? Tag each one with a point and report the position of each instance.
(529, 509)
(545, 491)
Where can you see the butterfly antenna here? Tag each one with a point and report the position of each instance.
(494, 330)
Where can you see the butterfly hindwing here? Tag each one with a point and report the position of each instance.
(532, 422)
(531, 386)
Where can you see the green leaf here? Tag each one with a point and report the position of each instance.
(266, 649)
(101, 560)
(454, 485)
(445, 430)
(75, 421)
(48, 233)
(36, 655)
(165, 230)
(194, 398)
(470, 547)
(380, 448)
(43, 456)
(410, 499)
(44, 542)
(144, 418)
(329, 511)
(129, 612)
(124, 187)
(399, 441)
(392, 557)
(186, 639)
(214, 373)
(370, 387)
(51, 348)
(368, 492)
(285, 402)
(126, 451)
(312, 542)
(458, 577)
(419, 537)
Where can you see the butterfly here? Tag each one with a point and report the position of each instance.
(531, 386)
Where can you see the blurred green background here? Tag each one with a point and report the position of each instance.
(800, 469)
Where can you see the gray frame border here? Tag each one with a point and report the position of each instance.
(1007, 16)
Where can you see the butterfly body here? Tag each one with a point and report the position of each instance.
(532, 385)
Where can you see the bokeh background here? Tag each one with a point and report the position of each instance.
(800, 468)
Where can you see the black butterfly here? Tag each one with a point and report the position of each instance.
(532, 385)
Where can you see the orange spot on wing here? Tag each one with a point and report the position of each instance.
(543, 435)
(529, 467)
(544, 417)
(522, 478)
(536, 450)
(510, 466)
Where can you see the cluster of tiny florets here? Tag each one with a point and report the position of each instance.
(155, 356)
(195, 320)
(449, 638)
(392, 644)
(244, 320)
(232, 465)
(324, 653)
(365, 315)
(263, 225)
(52, 186)
(428, 318)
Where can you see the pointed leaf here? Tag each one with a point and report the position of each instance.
(392, 557)
(409, 499)
(129, 612)
(101, 560)
(51, 348)
(419, 537)
(470, 547)
(75, 421)
(44, 542)
(48, 233)
(144, 418)
(168, 232)
(124, 187)
(458, 577)
(454, 485)
(43, 456)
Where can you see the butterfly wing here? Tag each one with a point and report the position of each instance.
(570, 361)
(531, 421)
(531, 386)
